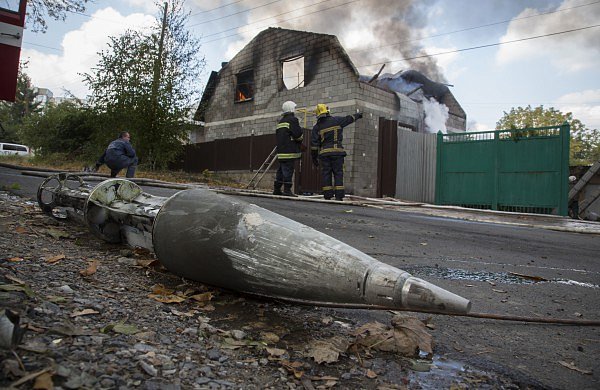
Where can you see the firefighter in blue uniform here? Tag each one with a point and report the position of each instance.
(327, 150)
(289, 136)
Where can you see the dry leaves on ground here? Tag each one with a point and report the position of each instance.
(327, 351)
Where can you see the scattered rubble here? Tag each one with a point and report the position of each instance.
(77, 312)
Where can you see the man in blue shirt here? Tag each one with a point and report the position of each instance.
(119, 155)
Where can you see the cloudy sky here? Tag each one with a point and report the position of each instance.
(496, 54)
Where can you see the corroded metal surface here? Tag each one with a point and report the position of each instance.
(222, 241)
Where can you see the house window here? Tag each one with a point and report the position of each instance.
(244, 87)
(293, 72)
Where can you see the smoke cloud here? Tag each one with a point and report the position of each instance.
(372, 32)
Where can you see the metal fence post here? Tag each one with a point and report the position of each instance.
(565, 135)
(495, 175)
(438, 168)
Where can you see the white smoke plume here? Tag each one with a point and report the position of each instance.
(436, 115)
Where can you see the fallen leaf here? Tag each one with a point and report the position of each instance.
(499, 291)
(14, 279)
(407, 337)
(270, 338)
(327, 351)
(293, 367)
(91, 269)
(146, 262)
(44, 382)
(67, 328)
(530, 277)
(208, 307)
(204, 297)
(183, 314)
(571, 366)
(15, 287)
(120, 328)
(159, 289)
(15, 259)
(167, 298)
(20, 230)
(55, 259)
(57, 234)
(349, 211)
(423, 243)
(83, 312)
(371, 374)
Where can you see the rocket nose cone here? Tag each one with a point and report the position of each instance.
(422, 295)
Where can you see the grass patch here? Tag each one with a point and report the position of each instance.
(65, 163)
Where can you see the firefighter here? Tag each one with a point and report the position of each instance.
(289, 136)
(327, 150)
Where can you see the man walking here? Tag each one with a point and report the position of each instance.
(119, 155)
(327, 149)
(289, 136)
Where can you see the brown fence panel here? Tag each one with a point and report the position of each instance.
(244, 153)
(261, 147)
(387, 163)
(308, 177)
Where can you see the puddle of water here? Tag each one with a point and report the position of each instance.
(484, 276)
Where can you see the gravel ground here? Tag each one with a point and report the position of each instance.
(96, 315)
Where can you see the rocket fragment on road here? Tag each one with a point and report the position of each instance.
(225, 242)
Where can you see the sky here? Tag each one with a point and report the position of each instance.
(495, 54)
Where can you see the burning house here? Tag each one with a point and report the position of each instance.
(243, 101)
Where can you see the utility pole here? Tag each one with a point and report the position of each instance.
(156, 77)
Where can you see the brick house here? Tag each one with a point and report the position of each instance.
(244, 99)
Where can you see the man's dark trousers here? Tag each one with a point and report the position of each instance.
(332, 166)
(284, 175)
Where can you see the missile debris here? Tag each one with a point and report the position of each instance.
(225, 242)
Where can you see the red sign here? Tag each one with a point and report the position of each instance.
(12, 20)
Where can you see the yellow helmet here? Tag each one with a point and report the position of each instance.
(321, 109)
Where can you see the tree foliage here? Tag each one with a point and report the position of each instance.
(13, 114)
(37, 10)
(148, 91)
(585, 143)
(66, 128)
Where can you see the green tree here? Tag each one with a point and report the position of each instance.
(56, 9)
(145, 83)
(66, 128)
(585, 143)
(13, 114)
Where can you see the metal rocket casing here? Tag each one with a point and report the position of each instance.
(221, 241)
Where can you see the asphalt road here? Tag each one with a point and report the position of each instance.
(478, 261)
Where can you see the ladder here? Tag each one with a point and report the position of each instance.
(263, 169)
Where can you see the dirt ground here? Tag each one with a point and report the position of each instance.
(96, 315)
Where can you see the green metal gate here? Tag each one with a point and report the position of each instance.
(522, 170)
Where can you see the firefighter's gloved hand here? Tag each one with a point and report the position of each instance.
(316, 162)
(358, 115)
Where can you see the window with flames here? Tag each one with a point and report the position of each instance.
(244, 87)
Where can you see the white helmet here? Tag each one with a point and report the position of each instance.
(288, 106)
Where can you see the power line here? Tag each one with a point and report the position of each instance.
(473, 28)
(216, 8)
(235, 13)
(482, 46)
(274, 16)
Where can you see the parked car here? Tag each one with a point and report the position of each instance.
(14, 149)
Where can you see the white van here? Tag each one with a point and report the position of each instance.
(14, 149)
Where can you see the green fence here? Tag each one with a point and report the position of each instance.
(509, 170)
